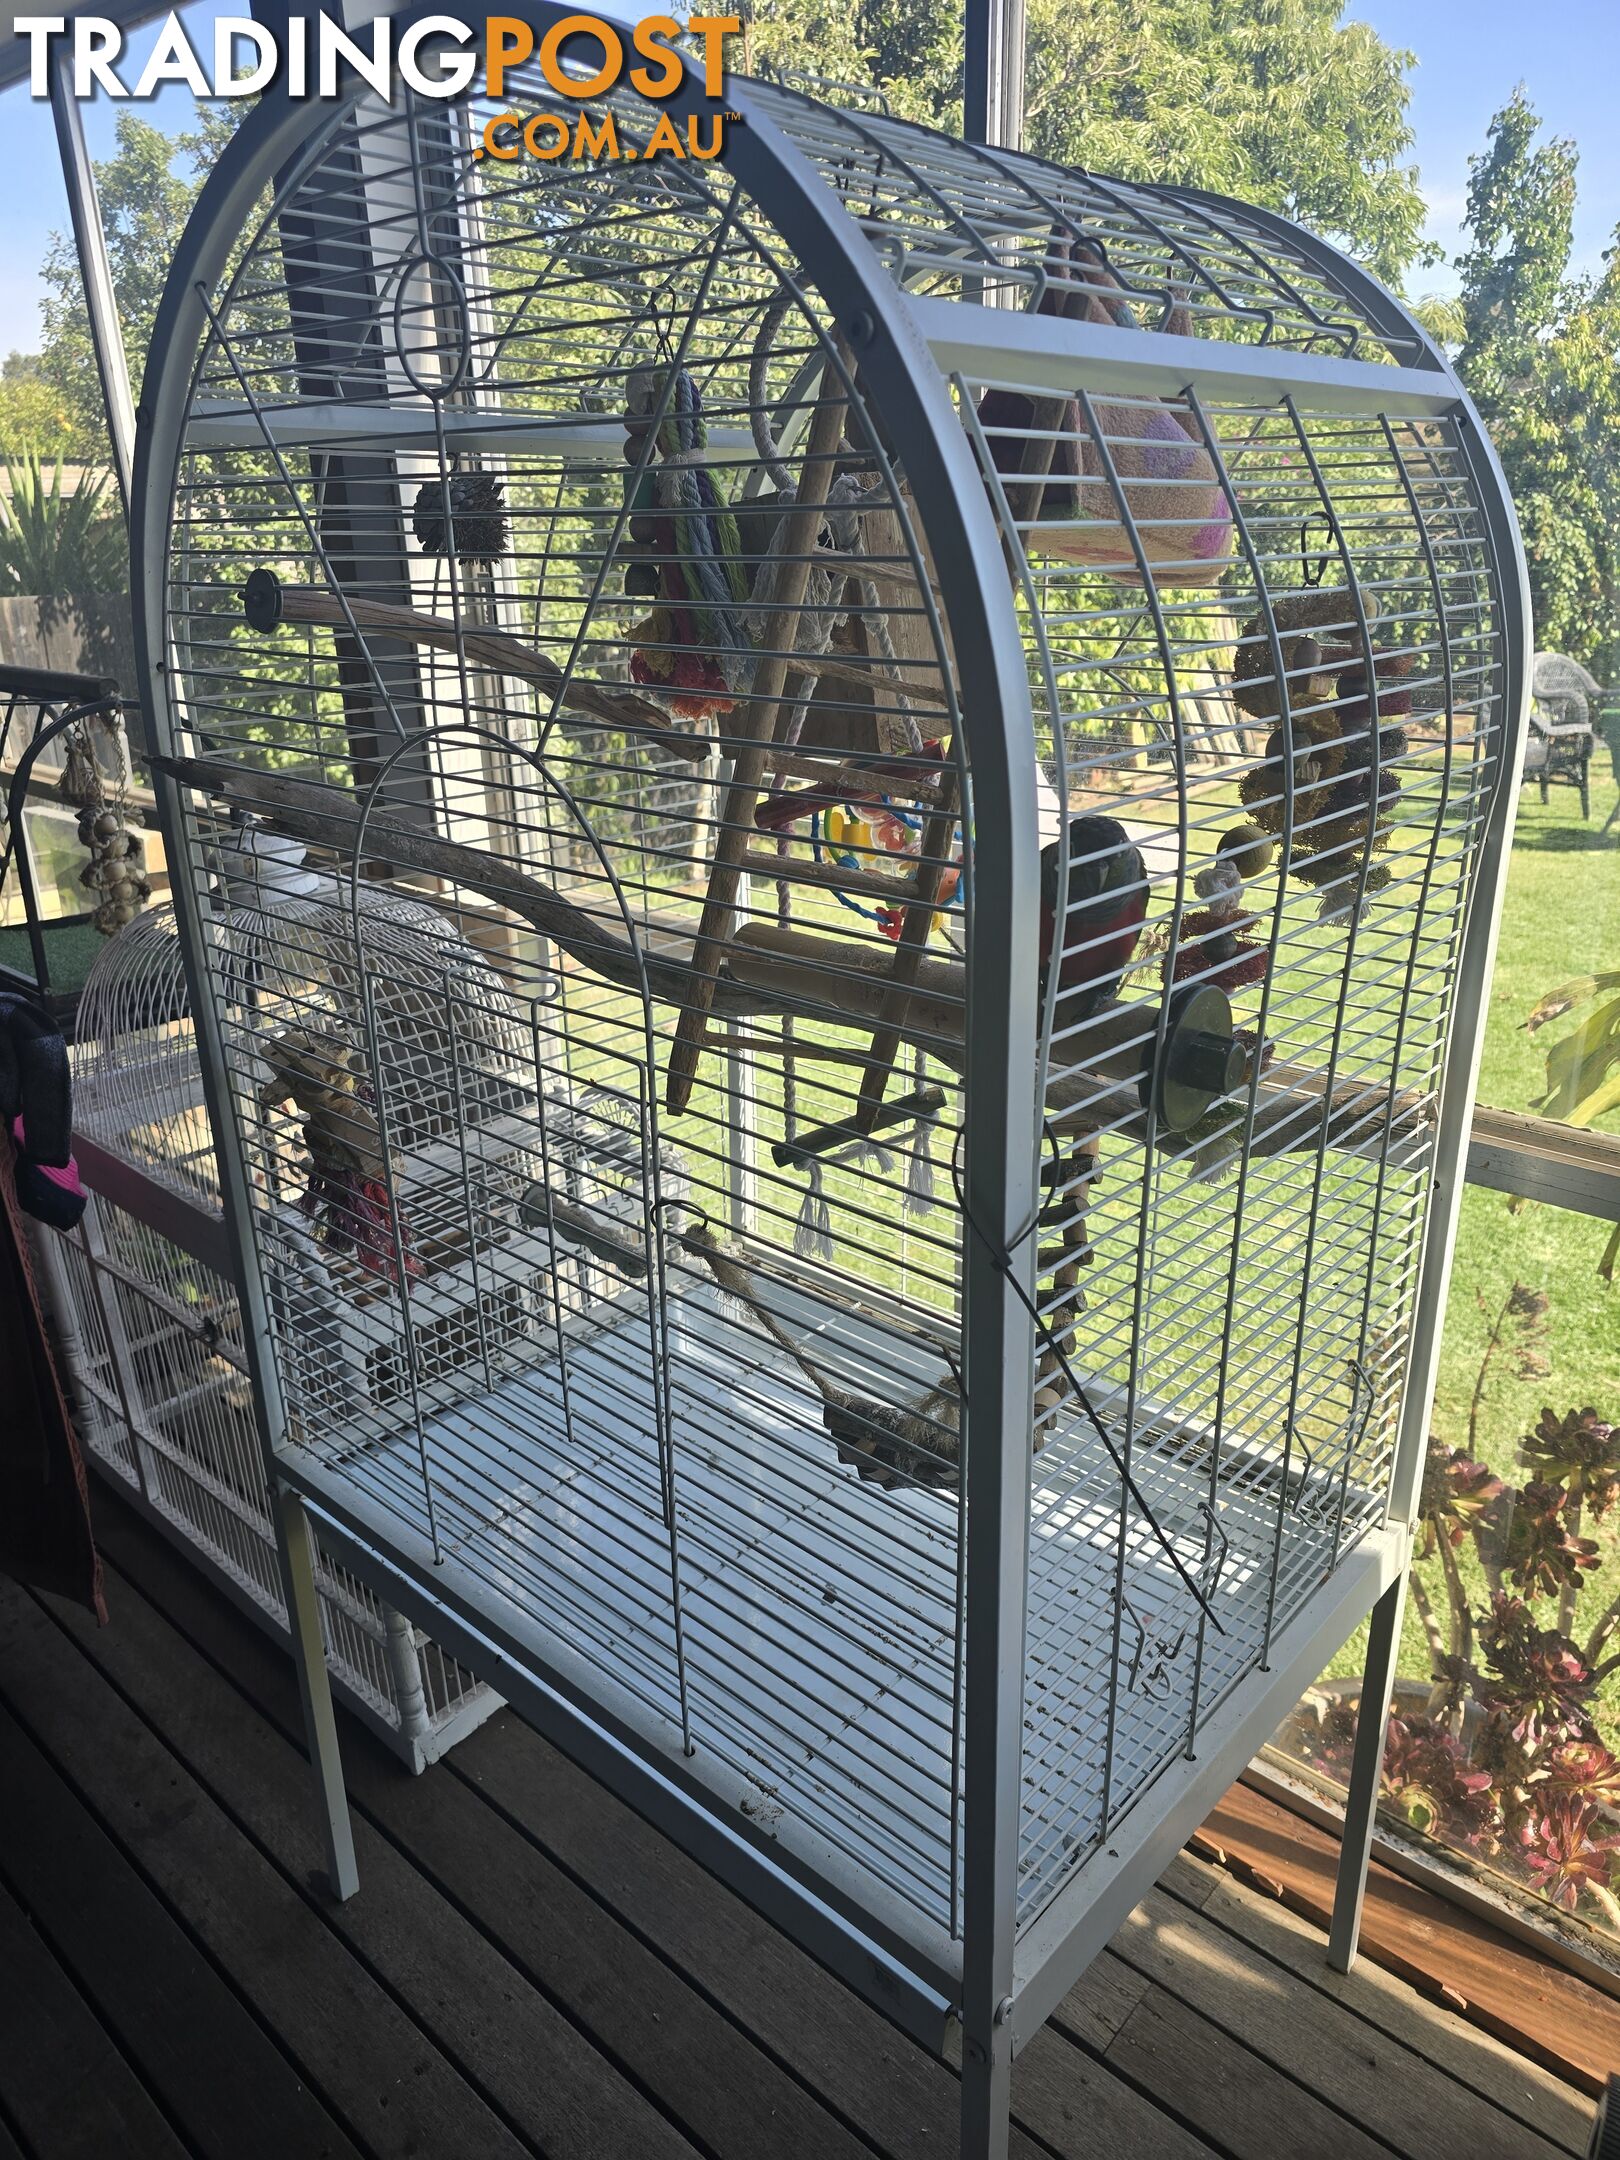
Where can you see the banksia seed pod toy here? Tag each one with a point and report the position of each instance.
(463, 516)
(1342, 745)
(1319, 637)
(1310, 740)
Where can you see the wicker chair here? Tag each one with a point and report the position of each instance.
(1609, 729)
(1564, 705)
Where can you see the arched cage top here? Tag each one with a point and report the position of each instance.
(924, 727)
(964, 221)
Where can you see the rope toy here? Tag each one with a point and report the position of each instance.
(693, 643)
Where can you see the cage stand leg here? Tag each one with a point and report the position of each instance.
(295, 1547)
(986, 2118)
(1366, 1768)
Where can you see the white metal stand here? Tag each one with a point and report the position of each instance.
(1361, 1802)
(295, 1546)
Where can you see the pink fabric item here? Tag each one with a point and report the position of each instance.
(67, 1177)
(1171, 463)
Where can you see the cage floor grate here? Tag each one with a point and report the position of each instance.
(817, 1613)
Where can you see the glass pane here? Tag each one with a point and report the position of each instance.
(57, 859)
(1561, 929)
(1504, 1746)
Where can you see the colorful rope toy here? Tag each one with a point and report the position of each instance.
(693, 642)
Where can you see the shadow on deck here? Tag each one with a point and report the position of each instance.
(529, 1969)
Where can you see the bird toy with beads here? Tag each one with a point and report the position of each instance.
(840, 834)
(116, 872)
(1214, 945)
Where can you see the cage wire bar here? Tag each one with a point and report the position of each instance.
(836, 816)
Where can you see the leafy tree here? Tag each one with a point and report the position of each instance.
(1279, 101)
(146, 190)
(1521, 217)
(34, 416)
(1541, 357)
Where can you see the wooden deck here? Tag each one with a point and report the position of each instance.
(529, 1969)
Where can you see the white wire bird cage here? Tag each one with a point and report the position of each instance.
(966, 705)
(153, 1335)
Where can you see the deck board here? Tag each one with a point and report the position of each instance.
(1510, 1991)
(201, 2053)
(1384, 2086)
(1485, 2065)
(541, 1972)
(394, 2092)
(66, 2087)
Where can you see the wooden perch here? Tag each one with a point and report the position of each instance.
(838, 982)
(770, 970)
(763, 715)
(491, 649)
(849, 982)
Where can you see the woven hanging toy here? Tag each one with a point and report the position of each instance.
(1335, 733)
(116, 871)
(693, 643)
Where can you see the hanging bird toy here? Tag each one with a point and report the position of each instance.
(1342, 742)
(347, 1197)
(462, 515)
(693, 643)
(116, 872)
(842, 835)
(1215, 945)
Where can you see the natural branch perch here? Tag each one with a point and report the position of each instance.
(491, 649)
(326, 820)
(769, 970)
(268, 602)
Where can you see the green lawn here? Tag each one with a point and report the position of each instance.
(1562, 919)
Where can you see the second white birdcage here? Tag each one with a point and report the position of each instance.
(152, 1332)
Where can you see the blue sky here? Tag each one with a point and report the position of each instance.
(1470, 55)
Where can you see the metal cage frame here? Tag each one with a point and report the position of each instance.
(999, 1982)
